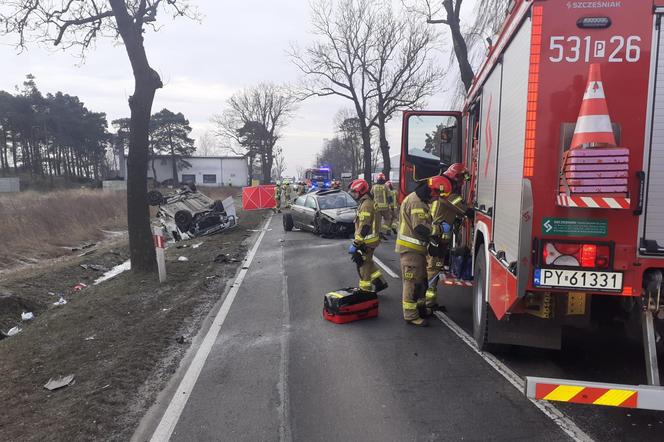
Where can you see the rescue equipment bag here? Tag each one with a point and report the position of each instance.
(350, 304)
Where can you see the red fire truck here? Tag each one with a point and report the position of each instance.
(563, 132)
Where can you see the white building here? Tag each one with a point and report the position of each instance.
(204, 171)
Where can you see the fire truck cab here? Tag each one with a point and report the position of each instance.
(563, 133)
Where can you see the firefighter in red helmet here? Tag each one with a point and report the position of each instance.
(367, 238)
(446, 210)
(414, 243)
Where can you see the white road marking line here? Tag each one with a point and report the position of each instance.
(383, 266)
(550, 410)
(565, 424)
(172, 414)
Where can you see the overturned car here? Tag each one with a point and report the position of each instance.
(187, 213)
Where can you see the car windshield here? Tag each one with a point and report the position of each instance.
(336, 201)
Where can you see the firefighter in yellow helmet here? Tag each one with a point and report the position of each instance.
(367, 238)
(413, 244)
(277, 196)
(381, 199)
(287, 193)
(445, 211)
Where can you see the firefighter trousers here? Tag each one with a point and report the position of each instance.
(435, 265)
(369, 272)
(414, 276)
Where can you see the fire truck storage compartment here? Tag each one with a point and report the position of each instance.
(489, 121)
(652, 238)
(512, 135)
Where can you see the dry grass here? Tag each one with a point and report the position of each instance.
(38, 225)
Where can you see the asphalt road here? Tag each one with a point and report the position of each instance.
(278, 371)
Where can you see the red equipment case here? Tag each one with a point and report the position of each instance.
(350, 304)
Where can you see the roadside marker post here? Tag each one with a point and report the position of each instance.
(160, 245)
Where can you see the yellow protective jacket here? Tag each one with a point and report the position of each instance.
(446, 209)
(379, 192)
(393, 198)
(414, 212)
(366, 216)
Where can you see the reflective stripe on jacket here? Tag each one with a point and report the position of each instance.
(366, 215)
(379, 192)
(414, 212)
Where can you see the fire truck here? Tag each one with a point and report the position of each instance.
(563, 134)
(319, 177)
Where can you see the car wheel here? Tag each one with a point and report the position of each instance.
(183, 219)
(155, 198)
(287, 220)
(480, 306)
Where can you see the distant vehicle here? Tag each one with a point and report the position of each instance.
(186, 213)
(320, 178)
(324, 212)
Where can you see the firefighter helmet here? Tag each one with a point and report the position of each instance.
(359, 186)
(457, 172)
(440, 186)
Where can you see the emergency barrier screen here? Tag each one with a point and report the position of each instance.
(258, 197)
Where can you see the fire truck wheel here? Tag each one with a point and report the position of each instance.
(288, 222)
(480, 306)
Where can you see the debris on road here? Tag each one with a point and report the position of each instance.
(80, 286)
(64, 381)
(180, 340)
(197, 245)
(115, 271)
(13, 331)
(90, 338)
(27, 316)
(187, 213)
(225, 258)
(183, 259)
(59, 302)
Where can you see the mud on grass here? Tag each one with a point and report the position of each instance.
(133, 327)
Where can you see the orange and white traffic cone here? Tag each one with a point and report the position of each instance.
(593, 127)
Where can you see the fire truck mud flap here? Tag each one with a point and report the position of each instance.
(644, 397)
(527, 331)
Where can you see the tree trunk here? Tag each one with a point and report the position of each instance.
(174, 160)
(366, 149)
(154, 173)
(146, 83)
(460, 47)
(384, 146)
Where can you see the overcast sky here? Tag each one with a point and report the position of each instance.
(237, 44)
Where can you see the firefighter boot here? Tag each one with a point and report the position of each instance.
(419, 322)
(379, 284)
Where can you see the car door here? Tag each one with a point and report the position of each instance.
(309, 212)
(297, 211)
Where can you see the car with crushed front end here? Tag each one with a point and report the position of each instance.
(328, 213)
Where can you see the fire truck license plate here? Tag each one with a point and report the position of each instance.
(578, 279)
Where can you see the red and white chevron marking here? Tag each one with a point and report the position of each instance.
(594, 202)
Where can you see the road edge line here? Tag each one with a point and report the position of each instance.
(551, 411)
(384, 266)
(171, 416)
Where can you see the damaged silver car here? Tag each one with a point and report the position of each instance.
(187, 213)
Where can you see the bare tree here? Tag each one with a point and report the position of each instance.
(400, 68)
(206, 144)
(333, 65)
(77, 23)
(489, 15)
(279, 165)
(254, 119)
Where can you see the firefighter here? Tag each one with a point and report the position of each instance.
(367, 238)
(445, 212)
(287, 193)
(336, 184)
(277, 196)
(414, 241)
(381, 200)
(394, 206)
(301, 189)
